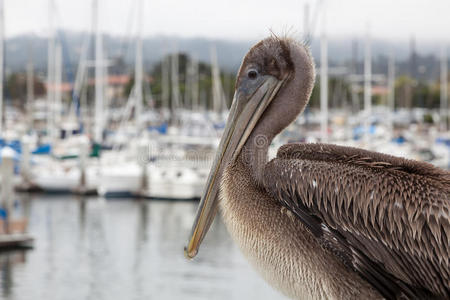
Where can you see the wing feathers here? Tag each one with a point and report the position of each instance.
(386, 217)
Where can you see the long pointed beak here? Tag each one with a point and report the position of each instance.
(244, 114)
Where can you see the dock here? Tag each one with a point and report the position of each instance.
(16, 240)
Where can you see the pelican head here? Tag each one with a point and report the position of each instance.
(273, 86)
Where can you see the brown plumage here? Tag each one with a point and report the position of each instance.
(322, 221)
(385, 217)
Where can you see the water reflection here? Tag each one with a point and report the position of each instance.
(90, 248)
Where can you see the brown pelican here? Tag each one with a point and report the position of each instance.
(322, 221)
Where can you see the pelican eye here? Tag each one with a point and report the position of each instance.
(252, 74)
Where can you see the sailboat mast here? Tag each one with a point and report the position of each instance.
(78, 88)
(391, 89)
(165, 83)
(444, 89)
(194, 86)
(217, 86)
(354, 94)
(324, 82)
(188, 83)
(306, 24)
(30, 89)
(175, 83)
(98, 75)
(139, 69)
(58, 101)
(50, 67)
(367, 87)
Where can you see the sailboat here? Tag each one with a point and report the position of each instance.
(121, 171)
(69, 167)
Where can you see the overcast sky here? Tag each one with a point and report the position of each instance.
(239, 19)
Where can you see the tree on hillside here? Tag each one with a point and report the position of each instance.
(204, 77)
(16, 88)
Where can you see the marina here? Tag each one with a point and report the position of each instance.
(116, 129)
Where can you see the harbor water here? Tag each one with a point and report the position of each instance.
(92, 248)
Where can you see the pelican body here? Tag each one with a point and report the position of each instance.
(322, 221)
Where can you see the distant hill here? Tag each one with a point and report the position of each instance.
(229, 53)
(17, 50)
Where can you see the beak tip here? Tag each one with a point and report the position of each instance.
(190, 254)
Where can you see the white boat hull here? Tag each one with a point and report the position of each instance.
(121, 179)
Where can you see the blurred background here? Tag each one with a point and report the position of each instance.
(111, 112)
